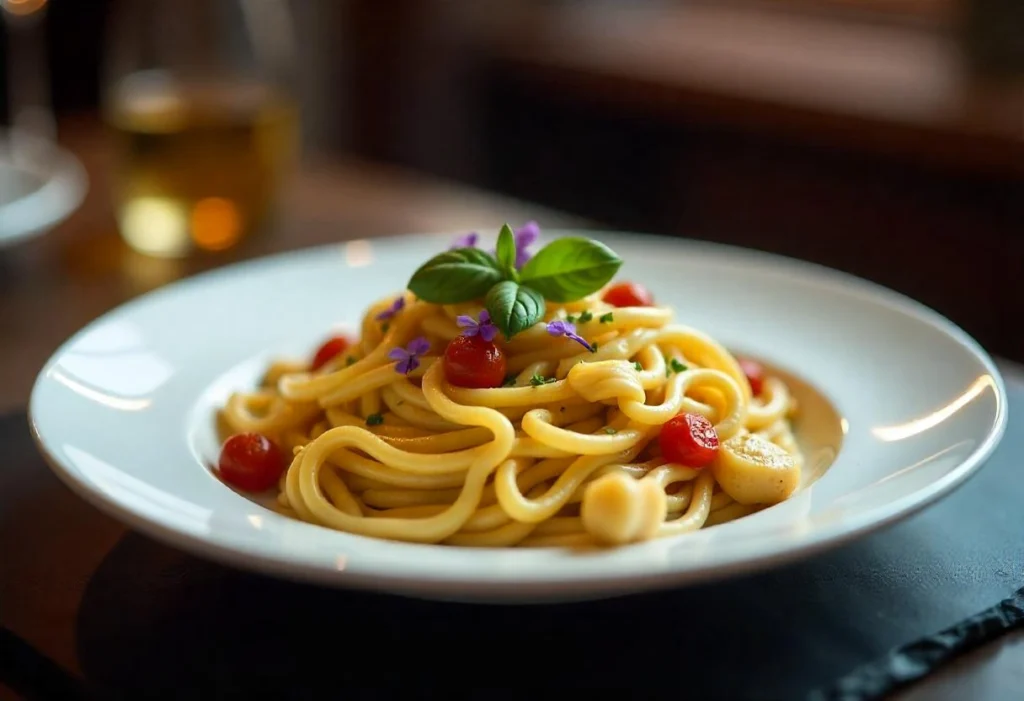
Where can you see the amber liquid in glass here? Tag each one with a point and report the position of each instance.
(198, 166)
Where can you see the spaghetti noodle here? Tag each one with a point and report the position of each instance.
(608, 424)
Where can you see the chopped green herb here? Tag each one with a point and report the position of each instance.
(610, 431)
(537, 380)
(585, 316)
(384, 327)
(638, 366)
(349, 361)
(571, 319)
(510, 380)
(607, 318)
(374, 420)
(674, 366)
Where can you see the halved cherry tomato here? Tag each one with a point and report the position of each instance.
(251, 461)
(628, 294)
(689, 440)
(755, 375)
(328, 350)
(470, 361)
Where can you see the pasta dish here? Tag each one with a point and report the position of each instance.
(509, 398)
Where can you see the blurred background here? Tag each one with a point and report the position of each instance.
(880, 137)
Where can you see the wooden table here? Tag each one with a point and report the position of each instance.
(53, 286)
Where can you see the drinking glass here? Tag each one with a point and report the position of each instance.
(40, 182)
(205, 129)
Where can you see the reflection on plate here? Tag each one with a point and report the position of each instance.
(122, 412)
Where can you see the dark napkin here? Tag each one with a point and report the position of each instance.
(152, 622)
(917, 659)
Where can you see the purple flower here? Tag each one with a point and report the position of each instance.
(568, 329)
(395, 307)
(408, 358)
(484, 328)
(525, 237)
(466, 241)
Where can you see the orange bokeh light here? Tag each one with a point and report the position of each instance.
(216, 223)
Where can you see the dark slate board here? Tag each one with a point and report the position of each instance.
(157, 623)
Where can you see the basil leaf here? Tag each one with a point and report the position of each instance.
(513, 308)
(569, 269)
(461, 275)
(506, 252)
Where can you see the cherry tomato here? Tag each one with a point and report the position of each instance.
(328, 350)
(251, 461)
(470, 361)
(689, 440)
(628, 294)
(755, 375)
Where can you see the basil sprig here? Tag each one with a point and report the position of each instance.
(565, 270)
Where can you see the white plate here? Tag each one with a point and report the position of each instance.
(123, 412)
(41, 184)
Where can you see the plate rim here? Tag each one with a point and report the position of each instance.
(527, 587)
(67, 184)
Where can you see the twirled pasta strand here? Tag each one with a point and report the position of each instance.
(510, 465)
